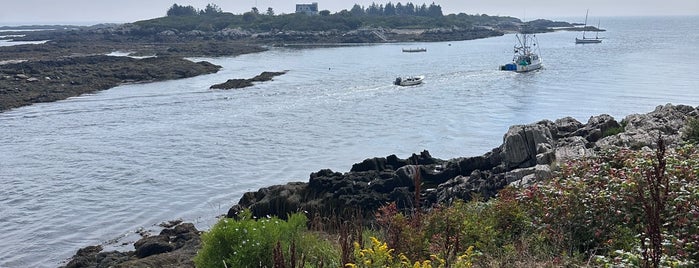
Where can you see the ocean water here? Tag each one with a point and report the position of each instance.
(95, 169)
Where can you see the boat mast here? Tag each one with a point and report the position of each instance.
(585, 27)
(523, 39)
(597, 32)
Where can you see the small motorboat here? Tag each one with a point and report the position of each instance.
(419, 49)
(409, 80)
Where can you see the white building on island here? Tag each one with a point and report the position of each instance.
(310, 9)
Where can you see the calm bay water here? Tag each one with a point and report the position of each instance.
(96, 168)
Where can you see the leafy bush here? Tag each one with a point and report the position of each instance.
(445, 232)
(615, 130)
(691, 133)
(594, 211)
(250, 242)
(595, 208)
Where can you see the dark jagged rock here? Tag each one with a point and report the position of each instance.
(526, 155)
(153, 245)
(173, 247)
(233, 83)
(85, 257)
(242, 83)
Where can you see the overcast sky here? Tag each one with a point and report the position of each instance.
(95, 11)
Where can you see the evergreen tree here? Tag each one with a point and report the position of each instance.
(422, 11)
(409, 9)
(177, 10)
(400, 10)
(374, 10)
(357, 10)
(211, 9)
(434, 11)
(389, 9)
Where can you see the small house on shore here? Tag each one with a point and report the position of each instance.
(309, 9)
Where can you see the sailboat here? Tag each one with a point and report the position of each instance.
(585, 40)
(526, 54)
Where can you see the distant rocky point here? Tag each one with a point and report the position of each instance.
(31, 82)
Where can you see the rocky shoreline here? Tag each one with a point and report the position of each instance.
(67, 67)
(32, 82)
(528, 154)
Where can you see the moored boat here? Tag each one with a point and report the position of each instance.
(414, 50)
(526, 56)
(586, 40)
(409, 80)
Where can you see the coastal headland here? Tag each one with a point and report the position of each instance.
(525, 157)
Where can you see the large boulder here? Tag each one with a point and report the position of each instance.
(523, 143)
(565, 127)
(596, 127)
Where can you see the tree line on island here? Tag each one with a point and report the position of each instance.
(396, 16)
(390, 9)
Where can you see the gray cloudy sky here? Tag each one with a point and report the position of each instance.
(94, 11)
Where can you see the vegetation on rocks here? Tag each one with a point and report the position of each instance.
(621, 208)
(691, 133)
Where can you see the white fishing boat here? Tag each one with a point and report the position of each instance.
(526, 56)
(409, 80)
(586, 40)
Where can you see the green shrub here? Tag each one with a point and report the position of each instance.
(691, 133)
(250, 242)
(318, 251)
(591, 212)
(615, 130)
(452, 229)
(593, 207)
